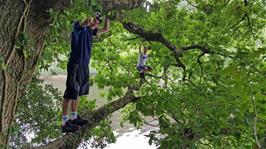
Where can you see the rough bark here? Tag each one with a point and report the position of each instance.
(23, 24)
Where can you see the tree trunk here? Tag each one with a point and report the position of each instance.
(22, 34)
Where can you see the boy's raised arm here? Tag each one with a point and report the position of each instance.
(140, 49)
(106, 27)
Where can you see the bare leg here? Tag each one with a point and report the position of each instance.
(66, 126)
(74, 113)
(65, 106)
(74, 105)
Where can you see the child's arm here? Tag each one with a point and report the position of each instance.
(140, 50)
(106, 27)
(78, 26)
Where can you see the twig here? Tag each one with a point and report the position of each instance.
(152, 75)
(201, 68)
(242, 19)
(129, 39)
(153, 125)
(255, 115)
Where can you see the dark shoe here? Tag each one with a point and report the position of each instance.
(79, 121)
(70, 127)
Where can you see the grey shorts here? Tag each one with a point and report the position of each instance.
(77, 83)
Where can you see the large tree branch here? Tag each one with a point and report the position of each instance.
(72, 140)
(121, 4)
(148, 35)
(154, 36)
(158, 37)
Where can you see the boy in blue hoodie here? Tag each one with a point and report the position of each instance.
(78, 71)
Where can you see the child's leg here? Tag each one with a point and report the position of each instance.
(141, 69)
(147, 68)
(142, 75)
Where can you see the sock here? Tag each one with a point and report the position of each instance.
(65, 118)
(74, 115)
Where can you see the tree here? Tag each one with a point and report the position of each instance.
(23, 26)
(207, 85)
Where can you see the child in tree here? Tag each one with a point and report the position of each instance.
(78, 71)
(142, 68)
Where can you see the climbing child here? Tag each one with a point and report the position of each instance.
(142, 68)
(77, 70)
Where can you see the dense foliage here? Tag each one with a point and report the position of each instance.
(217, 101)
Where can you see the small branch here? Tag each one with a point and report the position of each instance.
(129, 39)
(245, 2)
(194, 88)
(228, 1)
(242, 19)
(172, 117)
(148, 123)
(254, 115)
(152, 75)
(250, 27)
(165, 68)
(180, 64)
(200, 64)
(249, 24)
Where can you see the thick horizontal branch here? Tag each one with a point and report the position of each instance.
(121, 4)
(158, 37)
(154, 36)
(72, 140)
(148, 35)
